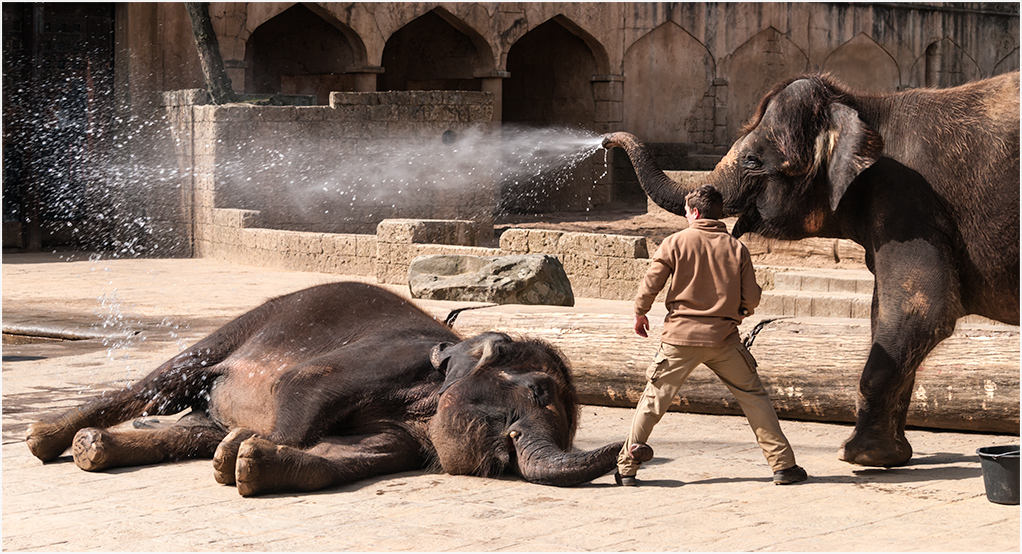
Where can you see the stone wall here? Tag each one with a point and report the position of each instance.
(599, 266)
(323, 169)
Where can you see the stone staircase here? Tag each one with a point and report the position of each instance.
(809, 292)
(829, 293)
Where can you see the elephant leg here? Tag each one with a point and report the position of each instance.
(183, 381)
(263, 467)
(194, 436)
(915, 306)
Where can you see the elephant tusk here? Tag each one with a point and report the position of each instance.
(514, 435)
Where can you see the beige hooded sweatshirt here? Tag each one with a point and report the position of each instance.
(710, 277)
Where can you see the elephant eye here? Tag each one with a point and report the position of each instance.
(752, 163)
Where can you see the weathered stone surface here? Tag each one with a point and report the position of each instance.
(520, 279)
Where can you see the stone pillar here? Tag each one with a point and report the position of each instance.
(608, 93)
(365, 77)
(720, 134)
(493, 82)
(236, 73)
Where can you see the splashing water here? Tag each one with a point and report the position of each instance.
(336, 187)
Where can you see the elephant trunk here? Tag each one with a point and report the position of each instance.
(667, 193)
(541, 461)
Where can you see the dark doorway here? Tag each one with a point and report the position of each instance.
(299, 52)
(550, 86)
(429, 54)
(58, 105)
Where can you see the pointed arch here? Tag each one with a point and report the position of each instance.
(302, 50)
(667, 75)
(753, 68)
(435, 51)
(864, 65)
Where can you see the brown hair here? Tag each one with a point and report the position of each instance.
(708, 200)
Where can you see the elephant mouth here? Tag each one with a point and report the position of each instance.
(748, 221)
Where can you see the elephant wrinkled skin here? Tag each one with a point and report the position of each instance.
(927, 181)
(337, 383)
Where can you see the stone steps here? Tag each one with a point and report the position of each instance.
(829, 293)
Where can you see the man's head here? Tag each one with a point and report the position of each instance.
(704, 203)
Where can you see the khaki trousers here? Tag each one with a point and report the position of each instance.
(736, 367)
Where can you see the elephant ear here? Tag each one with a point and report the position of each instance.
(853, 145)
(456, 361)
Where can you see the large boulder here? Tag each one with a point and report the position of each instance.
(521, 279)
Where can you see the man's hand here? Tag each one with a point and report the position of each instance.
(641, 325)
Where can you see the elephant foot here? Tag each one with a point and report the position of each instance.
(91, 449)
(47, 441)
(864, 450)
(226, 456)
(263, 467)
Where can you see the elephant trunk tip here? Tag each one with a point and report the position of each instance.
(618, 139)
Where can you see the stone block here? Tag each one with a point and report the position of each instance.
(338, 244)
(862, 308)
(832, 306)
(771, 304)
(311, 113)
(515, 241)
(609, 111)
(843, 285)
(428, 231)
(366, 246)
(384, 112)
(585, 266)
(624, 269)
(815, 283)
(604, 245)
(444, 249)
(802, 306)
(545, 242)
(310, 243)
(787, 281)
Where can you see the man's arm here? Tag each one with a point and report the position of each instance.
(751, 291)
(654, 280)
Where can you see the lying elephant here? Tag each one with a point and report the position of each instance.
(337, 383)
(927, 181)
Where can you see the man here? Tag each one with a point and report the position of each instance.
(711, 288)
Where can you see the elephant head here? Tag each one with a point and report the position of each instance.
(510, 404)
(787, 173)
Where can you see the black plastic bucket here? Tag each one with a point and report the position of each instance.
(1000, 473)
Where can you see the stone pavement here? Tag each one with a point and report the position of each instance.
(707, 489)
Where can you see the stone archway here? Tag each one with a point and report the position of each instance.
(667, 76)
(546, 89)
(550, 90)
(864, 65)
(299, 52)
(429, 53)
(945, 64)
(753, 69)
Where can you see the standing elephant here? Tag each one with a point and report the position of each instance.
(927, 181)
(337, 383)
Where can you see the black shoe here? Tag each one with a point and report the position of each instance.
(793, 474)
(626, 480)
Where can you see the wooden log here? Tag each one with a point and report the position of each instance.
(811, 369)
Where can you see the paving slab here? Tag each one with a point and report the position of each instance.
(708, 489)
